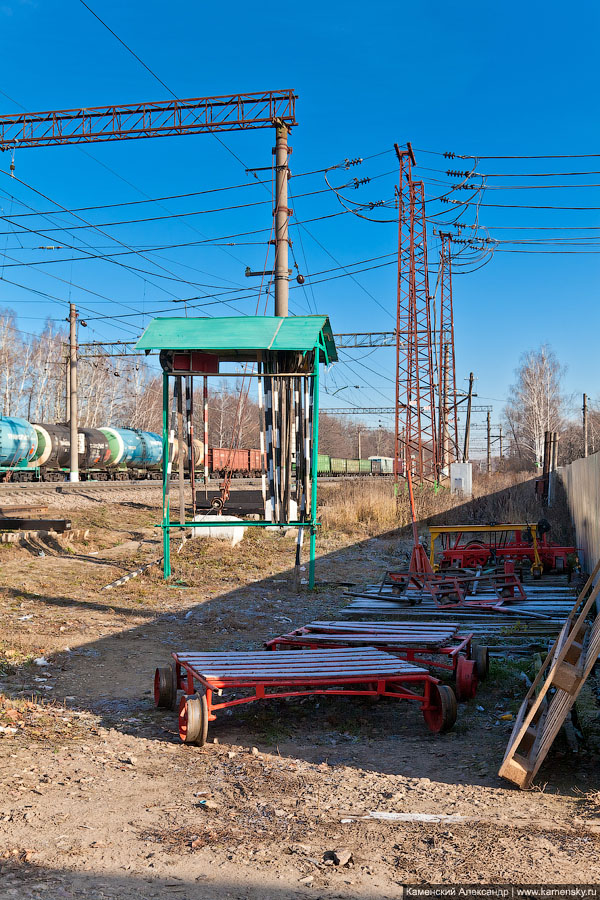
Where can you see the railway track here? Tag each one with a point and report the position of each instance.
(66, 487)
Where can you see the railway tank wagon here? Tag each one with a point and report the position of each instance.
(133, 450)
(54, 449)
(41, 451)
(18, 443)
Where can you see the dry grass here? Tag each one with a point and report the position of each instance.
(369, 506)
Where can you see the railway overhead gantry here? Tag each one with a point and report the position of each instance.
(165, 118)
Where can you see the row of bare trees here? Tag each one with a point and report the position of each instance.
(128, 392)
(537, 404)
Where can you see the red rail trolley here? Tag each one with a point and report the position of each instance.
(436, 646)
(358, 672)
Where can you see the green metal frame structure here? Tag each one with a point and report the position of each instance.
(242, 340)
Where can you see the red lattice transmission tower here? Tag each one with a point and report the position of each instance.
(415, 432)
(448, 412)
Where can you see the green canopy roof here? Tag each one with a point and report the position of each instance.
(241, 336)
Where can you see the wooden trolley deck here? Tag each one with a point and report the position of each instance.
(436, 646)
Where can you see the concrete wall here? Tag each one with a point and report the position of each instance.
(581, 480)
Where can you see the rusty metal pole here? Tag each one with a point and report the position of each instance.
(445, 433)
(468, 422)
(73, 436)
(489, 445)
(585, 426)
(281, 212)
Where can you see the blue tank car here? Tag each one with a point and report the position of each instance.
(18, 441)
(133, 448)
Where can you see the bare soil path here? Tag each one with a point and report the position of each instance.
(99, 798)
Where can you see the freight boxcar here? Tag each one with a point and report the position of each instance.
(338, 466)
(323, 464)
(382, 465)
(256, 467)
(352, 466)
(223, 459)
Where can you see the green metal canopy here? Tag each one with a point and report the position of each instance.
(241, 336)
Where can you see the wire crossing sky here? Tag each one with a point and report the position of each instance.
(506, 142)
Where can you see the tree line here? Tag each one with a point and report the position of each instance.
(127, 392)
(537, 403)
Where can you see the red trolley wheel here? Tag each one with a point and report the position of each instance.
(441, 714)
(193, 719)
(466, 678)
(481, 656)
(165, 687)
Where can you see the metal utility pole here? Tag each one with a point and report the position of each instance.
(415, 415)
(500, 439)
(359, 446)
(73, 437)
(468, 422)
(67, 385)
(444, 434)
(585, 426)
(447, 372)
(282, 213)
(489, 445)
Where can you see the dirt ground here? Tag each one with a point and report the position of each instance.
(101, 800)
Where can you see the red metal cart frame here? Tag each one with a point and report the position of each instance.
(358, 672)
(452, 589)
(432, 645)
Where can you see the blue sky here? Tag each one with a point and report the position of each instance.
(494, 79)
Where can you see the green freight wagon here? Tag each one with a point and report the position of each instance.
(352, 466)
(364, 466)
(338, 466)
(323, 464)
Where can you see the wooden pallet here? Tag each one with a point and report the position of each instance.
(554, 690)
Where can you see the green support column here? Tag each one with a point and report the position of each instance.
(313, 493)
(165, 473)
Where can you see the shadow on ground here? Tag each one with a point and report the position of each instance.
(111, 676)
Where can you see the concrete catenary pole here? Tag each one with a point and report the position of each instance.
(468, 422)
(585, 426)
(489, 445)
(67, 385)
(500, 439)
(282, 213)
(73, 437)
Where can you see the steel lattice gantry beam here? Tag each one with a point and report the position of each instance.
(360, 411)
(230, 112)
(354, 340)
(357, 340)
(382, 411)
